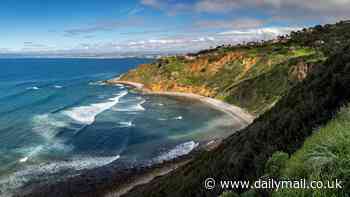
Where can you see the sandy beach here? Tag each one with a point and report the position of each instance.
(238, 114)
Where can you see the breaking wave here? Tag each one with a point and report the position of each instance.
(179, 150)
(97, 83)
(8, 184)
(132, 108)
(126, 124)
(33, 88)
(178, 118)
(87, 114)
(47, 125)
(58, 86)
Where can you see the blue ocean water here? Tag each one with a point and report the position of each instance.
(57, 117)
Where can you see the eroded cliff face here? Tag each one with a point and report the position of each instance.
(245, 154)
(154, 79)
(226, 73)
(301, 70)
(172, 86)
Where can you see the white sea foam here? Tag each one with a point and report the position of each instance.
(58, 86)
(178, 118)
(222, 126)
(97, 83)
(119, 85)
(126, 124)
(78, 163)
(87, 114)
(31, 152)
(33, 88)
(179, 150)
(162, 119)
(103, 96)
(23, 160)
(20, 178)
(47, 125)
(132, 108)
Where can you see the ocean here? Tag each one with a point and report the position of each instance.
(57, 118)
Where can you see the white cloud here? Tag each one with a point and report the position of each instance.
(103, 26)
(319, 10)
(239, 36)
(152, 3)
(171, 7)
(274, 31)
(35, 47)
(5, 50)
(135, 11)
(183, 43)
(193, 43)
(239, 23)
(315, 5)
(229, 5)
(216, 5)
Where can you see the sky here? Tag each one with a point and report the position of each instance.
(117, 26)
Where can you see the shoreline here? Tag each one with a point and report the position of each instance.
(235, 112)
(111, 182)
(238, 115)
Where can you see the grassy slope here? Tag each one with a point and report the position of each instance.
(283, 128)
(324, 156)
(264, 85)
(251, 77)
(266, 81)
(255, 77)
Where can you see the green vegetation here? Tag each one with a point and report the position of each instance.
(301, 103)
(253, 77)
(295, 84)
(265, 82)
(229, 194)
(274, 165)
(325, 156)
(250, 193)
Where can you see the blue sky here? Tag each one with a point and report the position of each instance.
(113, 26)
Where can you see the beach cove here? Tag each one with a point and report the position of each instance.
(77, 131)
(113, 180)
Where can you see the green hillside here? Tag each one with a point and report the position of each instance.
(290, 108)
(324, 156)
(251, 77)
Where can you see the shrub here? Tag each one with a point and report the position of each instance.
(229, 194)
(250, 193)
(276, 162)
(325, 156)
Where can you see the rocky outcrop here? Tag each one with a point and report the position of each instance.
(300, 71)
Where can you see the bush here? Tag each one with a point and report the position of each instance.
(325, 156)
(250, 193)
(276, 162)
(229, 194)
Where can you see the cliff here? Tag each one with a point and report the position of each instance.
(254, 78)
(294, 87)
